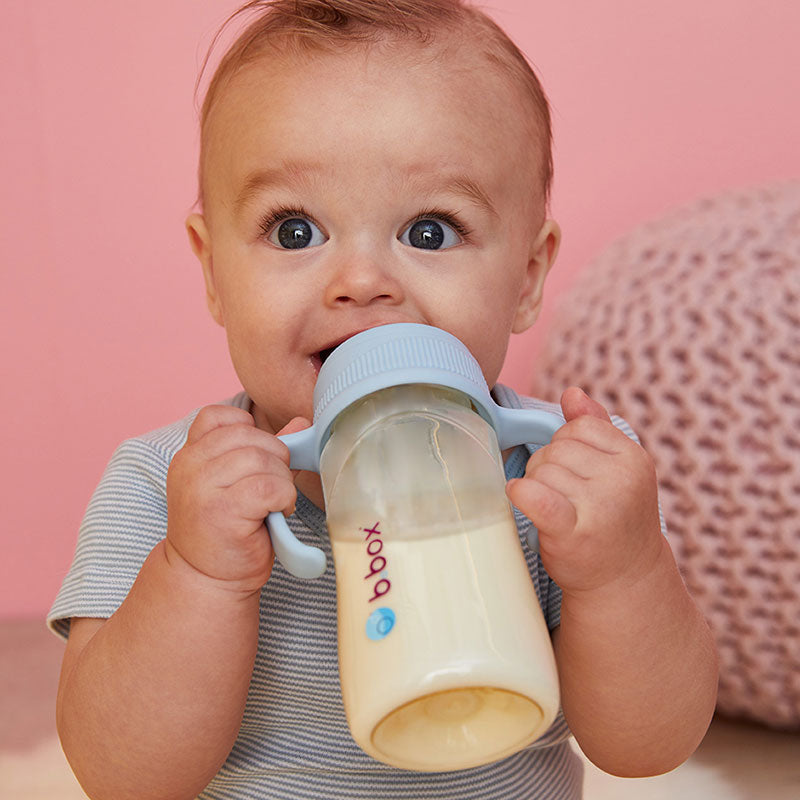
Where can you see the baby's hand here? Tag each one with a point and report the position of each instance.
(220, 486)
(593, 496)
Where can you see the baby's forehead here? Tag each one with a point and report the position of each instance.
(469, 88)
(459, 57)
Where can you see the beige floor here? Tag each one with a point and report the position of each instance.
(736, 761)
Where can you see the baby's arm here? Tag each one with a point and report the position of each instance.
(636, 660)
(150, 700)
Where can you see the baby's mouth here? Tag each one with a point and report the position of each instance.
(318, 359)
(323, 354)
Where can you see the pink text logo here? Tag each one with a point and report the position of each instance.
(377, 564)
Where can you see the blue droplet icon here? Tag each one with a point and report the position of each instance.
(379, 623)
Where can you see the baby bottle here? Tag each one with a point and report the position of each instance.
(444, 656)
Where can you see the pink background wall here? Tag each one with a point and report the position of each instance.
(104, 329)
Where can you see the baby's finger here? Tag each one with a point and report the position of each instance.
(232, 466)
(598, 433)
(549, 510)
(294, 425)
(560, 479)
(581, 458)
(255, 496)
(219, 416)
(229, 438)
(576, 403)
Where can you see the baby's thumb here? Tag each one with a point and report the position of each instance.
(576, 403)
(294, 425)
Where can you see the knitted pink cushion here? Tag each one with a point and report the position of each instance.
(689, 327)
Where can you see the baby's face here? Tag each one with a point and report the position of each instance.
(349, 190)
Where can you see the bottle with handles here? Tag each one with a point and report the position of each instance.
(444, 656)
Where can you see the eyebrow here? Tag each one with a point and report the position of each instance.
(293, 174)
(296, 174)
(466, 187)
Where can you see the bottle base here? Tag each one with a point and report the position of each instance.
(457, 729)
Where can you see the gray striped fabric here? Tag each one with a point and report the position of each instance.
(294, 741)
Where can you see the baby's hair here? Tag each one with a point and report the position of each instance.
(301, 26)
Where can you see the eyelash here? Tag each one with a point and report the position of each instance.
(272, 218)
(444, 216)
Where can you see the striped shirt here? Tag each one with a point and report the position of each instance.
(294, 742)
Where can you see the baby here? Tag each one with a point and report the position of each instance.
(362, 163)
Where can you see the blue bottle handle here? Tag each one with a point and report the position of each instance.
(516, 426)
(301, 560)
(513, 427)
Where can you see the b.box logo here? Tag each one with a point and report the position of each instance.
(381, 621)
(377, 566)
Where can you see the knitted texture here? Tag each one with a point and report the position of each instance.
(689, 328)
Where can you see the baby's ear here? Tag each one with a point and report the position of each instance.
(200, 240)
(543, 252)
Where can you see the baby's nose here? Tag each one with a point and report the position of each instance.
(363, 280)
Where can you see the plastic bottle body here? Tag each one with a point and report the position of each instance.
(445, 659)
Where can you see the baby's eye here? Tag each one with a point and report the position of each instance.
(295, 233)
(430, 234)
